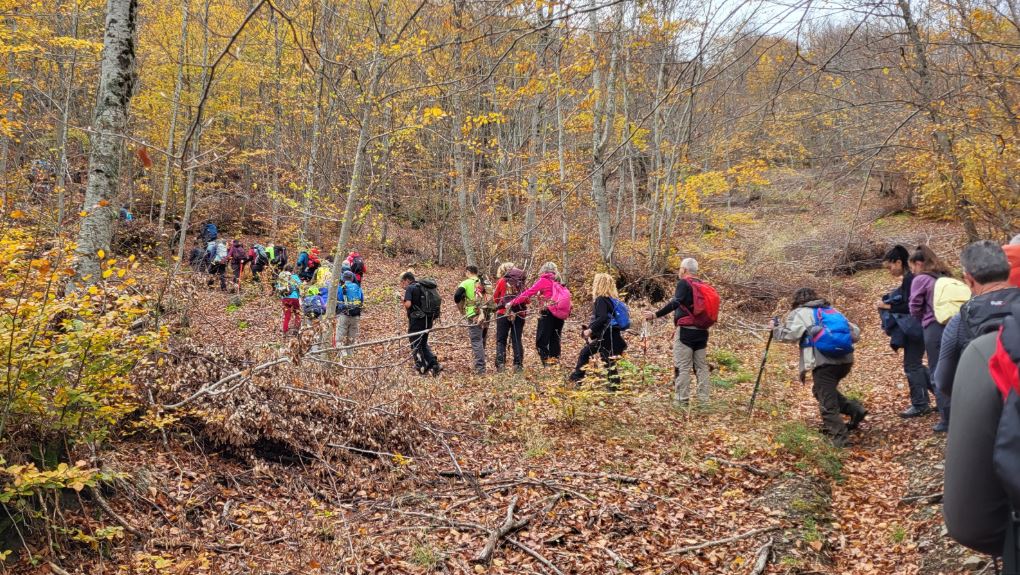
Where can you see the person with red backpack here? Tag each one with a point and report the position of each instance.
(981, 493)
(509, 320)
(826, 340)
(695, 307)
(556, 301)
(356, 263)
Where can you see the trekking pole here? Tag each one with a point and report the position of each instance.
(761, 371)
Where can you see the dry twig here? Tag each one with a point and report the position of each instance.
(752, 533)
(761, 560)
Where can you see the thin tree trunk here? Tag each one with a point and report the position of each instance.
(195, 145)
(175, 106)
(603, 93)
(116, 80)
(943, 141)
(274, 177)
(65, 117)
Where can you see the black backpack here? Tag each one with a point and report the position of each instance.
(279, 256)
(358, 266)
(430, 303)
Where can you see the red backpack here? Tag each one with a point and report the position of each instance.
(705, 310)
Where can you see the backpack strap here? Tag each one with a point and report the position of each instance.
(1011, 547)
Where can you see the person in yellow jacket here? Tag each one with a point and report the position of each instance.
(469, 297)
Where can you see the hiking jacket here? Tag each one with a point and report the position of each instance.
(899, 298)
(974, 505)
(980, 315)
(1013, 255)
(922, 299)
(796, 326)
(499, 292)
(543, 287)
(470, 290)
(900, 327)
(601, 317)
(682, 302)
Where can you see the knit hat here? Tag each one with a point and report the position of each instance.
(348, 276)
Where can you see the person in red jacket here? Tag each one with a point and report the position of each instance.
(1012, 250)
(356, 263)
(509, 322)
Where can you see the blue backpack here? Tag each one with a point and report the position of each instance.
(351, 299)
(621, 315)
(211, 232)
(831, 334)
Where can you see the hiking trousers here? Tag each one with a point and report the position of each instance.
(932, 348)
(685, 358)
(218, 270)
(547, 336)
(918, 378)
(291, 309)
(424, 359)
(512, 330)
(831, 403)
(347, 328)
(476, 334)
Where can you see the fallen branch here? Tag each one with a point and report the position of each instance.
(56, 568)
(610, 476)
(762, 558)
(461, 474)
(746, 467)
(105, 506)
(752, 533)
(509, 526)
(929, 499)
(618, 560)
(535, 554)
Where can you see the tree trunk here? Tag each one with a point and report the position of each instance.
(116, 80)
(602, 127)
(175, 106)
(189, 185)
(943, 140)
(65, 117)
(459, 149)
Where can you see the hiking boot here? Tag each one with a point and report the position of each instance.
(856, 419)
(435, 370)
(941, 427)
(841, 442)
(914, 411)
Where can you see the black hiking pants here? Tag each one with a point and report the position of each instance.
(831, 403)
(218, 270)
(608, 348)
(424, 359)
(547, 336)
(512, 330)
(918, 378)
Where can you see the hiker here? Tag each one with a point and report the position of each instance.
(259, 259)
(356, 263)
(238, 256)
(690, 340)
(604, 333)
(217, 254)
(308, 264)
(125, 214)
(980, 491)
(509, 320)
(928, 269)
(826, 339)
(905, 331)
(468, 298)
(555, 310)
(1012, 250)
(422, 302)
(277, 256)
(986, 271)
(323, 275)
(350, 301)
(288, 287)
(313, 305)
(196, 258)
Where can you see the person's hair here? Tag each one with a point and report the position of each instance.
(1015, 241)
(689, 264)
(603, 285)
(897, 253)
(407, 276)
(985, 261)
(549, 268)
(928, 260)
(473, 270)
(803, 296)
(503, 268)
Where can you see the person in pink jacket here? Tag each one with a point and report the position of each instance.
(550, 327)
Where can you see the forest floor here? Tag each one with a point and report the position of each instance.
(595, 482)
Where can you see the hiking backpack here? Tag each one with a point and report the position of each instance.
(705, 309)
(220, 255)
(949, 294)
(430, 303)
(513, 281)
(831, 333)
(358, 266)
(261, 257)
(210, 232)
(559, 304)
(351, 299)
(985, 313)
(279, 256)
(1004, 367)
(621, 315)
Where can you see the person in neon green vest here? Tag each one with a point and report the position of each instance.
(469, 297)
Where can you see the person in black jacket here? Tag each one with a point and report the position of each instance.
(976, 506)
(897, 303)
(603, 335)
